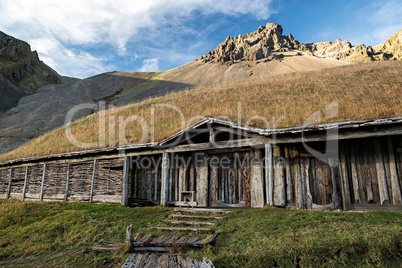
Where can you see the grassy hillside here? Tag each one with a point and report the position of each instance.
(364, 91)
(56, 234)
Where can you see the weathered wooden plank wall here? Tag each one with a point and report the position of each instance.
(17, 183)
(34, 182)
(368, 172)
(55, 181)
(108, 181)
(146, 179)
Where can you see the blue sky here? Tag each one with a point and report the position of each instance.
(82, 38)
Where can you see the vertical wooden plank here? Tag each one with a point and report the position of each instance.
(305, 178)
(279, 188)
(269, 174)
(365, 172)
(9, 183)
(230, 185)
(381, 176)
(385, 155)
(25, 183)
(68, 182)
(241, 182)
(202, 182)
(296, 174)
(289, 180)
(93, 181)
(257, 194)
(182, 174)
(42, 188)
(347, 203)
(126, 170)
(165, 179)
(396, 188)
(355, 175)
(336, 183)
(171, 177)
(215, 185)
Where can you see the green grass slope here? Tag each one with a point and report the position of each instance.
(266, 237)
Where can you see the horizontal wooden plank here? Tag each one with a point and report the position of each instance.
(194, 217)
(190, 222)
(203, 210)
(182, 229)
(107, 199)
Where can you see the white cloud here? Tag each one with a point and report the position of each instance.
(76, 63)
(150, 65)
(92, 22)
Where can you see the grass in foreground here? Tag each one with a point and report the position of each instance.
(363, 91)
(249, 237)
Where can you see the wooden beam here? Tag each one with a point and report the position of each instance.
(25, 183)
(126, 169)
(68, 181)
(241, 133)
(269, 176)
(342, 135)
(9, 183)
(165, 179)
(42, 187)
(396, 188)
(93, 181)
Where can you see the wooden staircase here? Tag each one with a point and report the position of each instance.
(152, 251)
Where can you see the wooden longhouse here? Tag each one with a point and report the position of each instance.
(215, 163)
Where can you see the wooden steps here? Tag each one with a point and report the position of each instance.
(194, 217)
(192, 229)
(139, 260)
(190, 222)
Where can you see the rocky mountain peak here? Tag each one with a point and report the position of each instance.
(391, 48)
(252, 46)
(22, 67)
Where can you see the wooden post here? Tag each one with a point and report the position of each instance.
(126, 169)
(396, 188)
(42, 188)
(25, 183)
(336, 192)
(68, 181)
(9, 183)
(165, 179)
(381, 176)
(257, 192)
(269, 174)
(93, 181)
